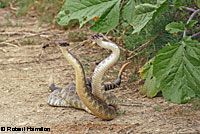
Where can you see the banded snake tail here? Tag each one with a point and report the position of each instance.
(94, 104)
(70, 97)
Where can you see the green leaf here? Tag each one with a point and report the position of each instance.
(175, 27)
(151, 86)
(109, 20)
(161, 4)
(191, 23)
(85, 10)
(142, 15)
(178, 69)
(138, 16)
(145, 69)
(177, 4)
(128, 11)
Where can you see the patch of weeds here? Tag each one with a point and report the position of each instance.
(158, 108)
(88, 58)
(3, 3)
(133, 78)
(44, 10)
(196, 104)
(122, 56)
(24, 7)
(28, 42)
(77, 36)
(19, 24)
(8, 22)
(46, 18)
(121, 112)
(115, 71)
(2, 40)
(129, 85)
(187, 110)
(86, 68)
(48, 9)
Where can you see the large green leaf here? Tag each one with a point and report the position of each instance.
(109, 20)
(142, 15)
(177, 67)
(175, 27)
(161, 4)
(128, 11)
(152, 85)
(138, 16)
(85, 10)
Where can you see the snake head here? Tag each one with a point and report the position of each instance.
(63, 43)
(97, 37)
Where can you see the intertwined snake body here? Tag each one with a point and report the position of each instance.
(94, 104)
(67, 96)
(97, 100)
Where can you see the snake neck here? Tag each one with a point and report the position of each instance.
(96, 106)
(100, 70)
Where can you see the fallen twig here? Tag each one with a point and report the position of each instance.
(26, 35)
(133, 105)
(11, 6)
(186, 8)
(80, 44)
(33, 61)
(196, 34)
(3, 50)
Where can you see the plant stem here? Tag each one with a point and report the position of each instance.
(187, 8)
(196, 34)
(190, 18)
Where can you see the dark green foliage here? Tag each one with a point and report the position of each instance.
(3, 3)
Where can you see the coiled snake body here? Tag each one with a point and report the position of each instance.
(96, 102)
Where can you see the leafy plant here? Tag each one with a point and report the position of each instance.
(3, 3)
(175, 70)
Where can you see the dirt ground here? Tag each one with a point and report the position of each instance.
(29, 56)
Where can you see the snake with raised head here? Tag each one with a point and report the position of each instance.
(67, 95)
(97, 83)
(68, 92)
(93, 103)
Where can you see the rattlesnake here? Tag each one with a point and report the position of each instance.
(60, 96)
(68, 93)
(93, 103)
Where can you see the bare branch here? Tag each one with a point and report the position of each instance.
(186, 8)
(26, 35)
(190, 18)
(196, 34)
(142, 46)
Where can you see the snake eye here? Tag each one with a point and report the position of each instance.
(63, 43)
